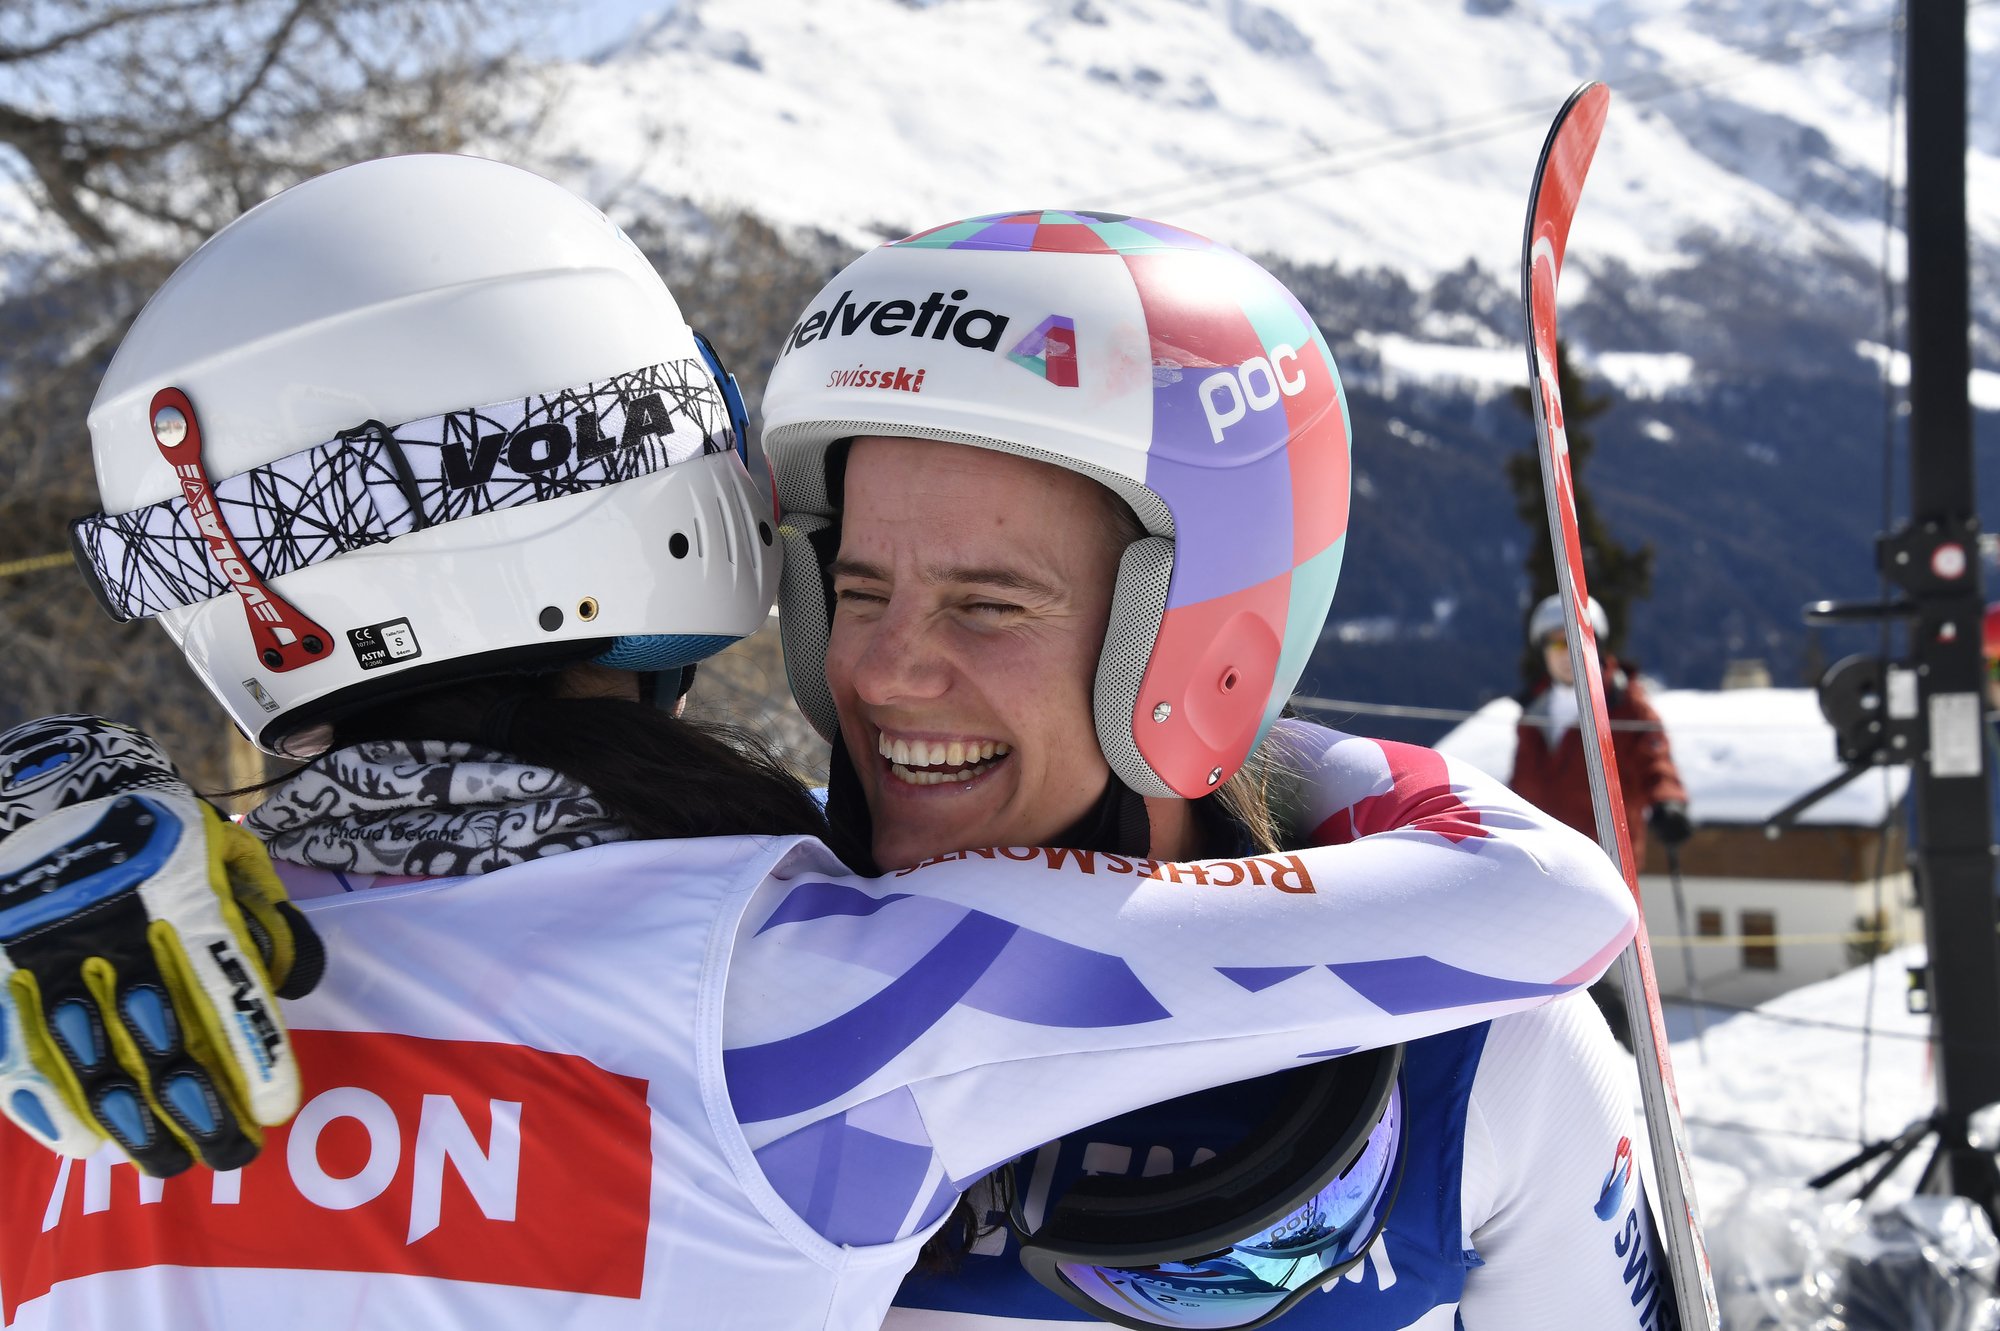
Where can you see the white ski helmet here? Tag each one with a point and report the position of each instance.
(1547, 619)
(1174, 371)
(416, 420)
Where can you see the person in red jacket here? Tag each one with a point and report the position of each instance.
(1990, 649)
(1548, 751)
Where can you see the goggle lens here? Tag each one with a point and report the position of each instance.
(1247, 1281)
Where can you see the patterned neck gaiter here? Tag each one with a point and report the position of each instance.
(427, 809)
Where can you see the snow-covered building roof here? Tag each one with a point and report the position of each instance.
(1743, 755)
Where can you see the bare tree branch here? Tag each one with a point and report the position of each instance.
(118, 18)
(59, 166)
(275, 48)
(137, 115)
(137, 126)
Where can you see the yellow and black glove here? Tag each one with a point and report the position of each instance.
(144, 942)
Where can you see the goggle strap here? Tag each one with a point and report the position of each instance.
(372, 484)
(284, 637)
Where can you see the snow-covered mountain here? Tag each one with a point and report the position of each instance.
(1724, 275)
(1723, 280)
(1398, 133)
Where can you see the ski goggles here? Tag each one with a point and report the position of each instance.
(1238, 1240)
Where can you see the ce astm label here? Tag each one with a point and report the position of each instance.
(386, 643)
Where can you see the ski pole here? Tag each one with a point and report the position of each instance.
(1687, 952)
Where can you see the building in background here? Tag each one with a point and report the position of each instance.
(1764, 914)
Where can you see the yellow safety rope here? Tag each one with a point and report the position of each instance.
(35, 564)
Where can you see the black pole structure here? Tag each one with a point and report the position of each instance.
(1933, 559)
(1928, 710)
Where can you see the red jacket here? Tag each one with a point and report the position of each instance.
(1557, 782)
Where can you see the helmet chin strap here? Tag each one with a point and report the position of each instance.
(664, 689)
(847, 812)
(1117, 823)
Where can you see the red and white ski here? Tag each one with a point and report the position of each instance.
(1552, 202)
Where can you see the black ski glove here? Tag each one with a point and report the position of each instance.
(1669, 820)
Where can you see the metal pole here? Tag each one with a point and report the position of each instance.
(1934, 558)
(1687, 952)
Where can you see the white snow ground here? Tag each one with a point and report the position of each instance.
(1778, 1094)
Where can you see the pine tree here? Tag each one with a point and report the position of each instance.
(1618, 574)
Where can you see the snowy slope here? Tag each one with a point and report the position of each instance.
(1779, 1096)
(1315, 131)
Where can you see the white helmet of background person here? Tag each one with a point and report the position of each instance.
(455, 424)
(1547, 619)
(1171, 369)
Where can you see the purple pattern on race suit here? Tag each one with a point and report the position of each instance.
(1259, 978)
(982, 962)
(1424, 984)
(851, 1182)
(818, 901)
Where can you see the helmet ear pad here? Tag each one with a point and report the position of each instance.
(1209, 686)
(1138, 602)
(805, 616)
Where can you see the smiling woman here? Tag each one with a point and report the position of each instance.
(1104, 556)
(953, 633)
(1176, 429)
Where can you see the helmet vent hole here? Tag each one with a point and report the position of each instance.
(677, 545)
(586, 609)
(764, 532)
(551, 618)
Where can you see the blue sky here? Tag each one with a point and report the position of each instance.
(578, 29)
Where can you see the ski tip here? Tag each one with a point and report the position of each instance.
(1581, 121)
(1595, 92)
(1559, 175)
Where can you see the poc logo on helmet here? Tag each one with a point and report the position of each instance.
(1227, 396)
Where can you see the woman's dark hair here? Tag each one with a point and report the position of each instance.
(659, 775)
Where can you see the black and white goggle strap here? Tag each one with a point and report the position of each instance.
(374, 483)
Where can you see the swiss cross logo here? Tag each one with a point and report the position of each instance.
(454, 1159)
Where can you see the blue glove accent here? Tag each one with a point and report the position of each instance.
(120, 1111)
(77, 1029)
(187, 1095)
(149, 1016)
(43, 768)
(29, 1110)
(124, 868)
